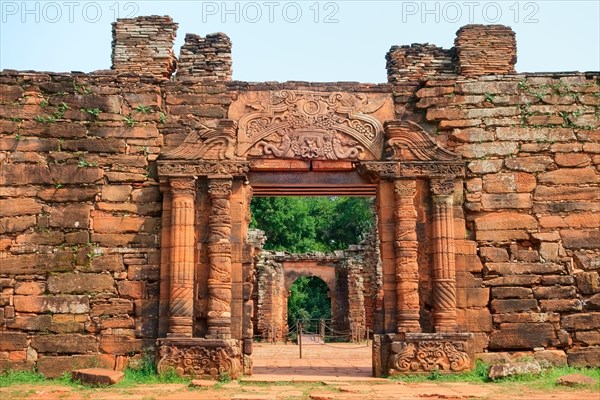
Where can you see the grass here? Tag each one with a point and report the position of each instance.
(544, 381)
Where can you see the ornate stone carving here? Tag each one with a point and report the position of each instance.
(169, 168)
(407, 141)
(219, 254)
(207, 144)
(376, 170)
(442, 187)
(405, 246)
(210, 360)
(313, 125)
(425, 356)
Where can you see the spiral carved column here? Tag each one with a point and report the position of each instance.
(181, 282)
(219, 254)
(444, 274)
(405, 247)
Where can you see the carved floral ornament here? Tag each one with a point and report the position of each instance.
(426, 356)
(312, 125)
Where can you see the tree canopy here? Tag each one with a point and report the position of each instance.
(308, 302)
(303, 224)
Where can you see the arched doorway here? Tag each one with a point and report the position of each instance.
(308, 303)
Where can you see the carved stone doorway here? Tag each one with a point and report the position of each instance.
(309, 143)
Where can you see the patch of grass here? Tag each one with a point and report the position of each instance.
(143, 109)
(20, 378)
(130, 121)
(146, 373)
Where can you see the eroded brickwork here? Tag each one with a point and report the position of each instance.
(87, 228)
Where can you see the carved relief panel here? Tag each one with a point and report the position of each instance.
(311, 125)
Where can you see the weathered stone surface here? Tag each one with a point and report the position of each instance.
(33, 288)
(16, 224)
(584, 357)
(582, 321)
(575, 380)
(493, 254)
(97, 376)
(522, 336)
(588, 338)
(56, 366)
(70, 194)
(509, 182)
(116, 192)
(65, 343)
(514, 369)
(564, 305)
(132, 290)
(553, 358)
(485, 166)
(569, 176)
(53, 304)
(554, 292)
(512, 293)
(19, 207)
(113, 344)
(513, 305)
(580, 239)
(517, 268)
(506, 201)
(112, 307)
(514, 280)
(504, 221)
(30, 322)
(58, 261)
(80, 283)
(110, 224)
(10, 341)
(71, 216)
(588, 282)
(528, 164)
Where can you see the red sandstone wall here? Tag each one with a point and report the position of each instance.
(80, 204)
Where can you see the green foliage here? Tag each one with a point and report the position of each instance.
(308, 301)
(92, 111)
(20, 378)
(300, 224)
(130, 121)
(45, 119)
(143, 109)
(162, 117)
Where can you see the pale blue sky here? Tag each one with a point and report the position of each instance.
(301, 40)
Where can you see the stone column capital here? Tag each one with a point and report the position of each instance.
(183, 186)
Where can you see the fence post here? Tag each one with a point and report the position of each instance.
(322, 329)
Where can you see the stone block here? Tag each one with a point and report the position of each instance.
(517, 336)
(569, 176)
(554, 292)
(588, 338)
(514, 280)
(72, 174)
(31, 288)
(132, 289)
(70, 216)
(478, 297)
(108, 262)
(553, 358)
(65, 343)
(520, 182)
(112, 307)
(124, 224)
(514, 369)
(580, 239)
(148, 194)
(529, 163)
(575, 380)
(572, 159)
(143, 272)
(11, 341)
(581, 322)
(16, 224)
(493, 254)
(19, 207)
(512, 293)
(479, 320)
(81, 283)
(499, 201)
(53, 304)
(561, 305)
(588, 282)
(116, 193)
(55, 366)
(116, 344)
(584, 357)
(97, 376)
(518, 268)
(30, 322)
(505, 221)
(513, 305)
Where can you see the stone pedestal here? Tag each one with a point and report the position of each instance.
(201, 358)
(413, 353)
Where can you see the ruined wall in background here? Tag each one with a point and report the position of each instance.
(80, 204)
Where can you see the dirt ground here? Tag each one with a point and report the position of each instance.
(325, 372)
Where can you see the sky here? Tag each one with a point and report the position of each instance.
(321, 41)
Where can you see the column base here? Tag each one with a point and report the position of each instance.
(415, 353)
(202, 358)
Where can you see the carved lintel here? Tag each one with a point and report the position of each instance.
(200, 358)
(203, 168)
(376, 170)
(423, 353)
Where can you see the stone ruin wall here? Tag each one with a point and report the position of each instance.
(80, 203)
(354, 280)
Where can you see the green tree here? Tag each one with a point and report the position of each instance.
(308, 302)
(302, 224)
